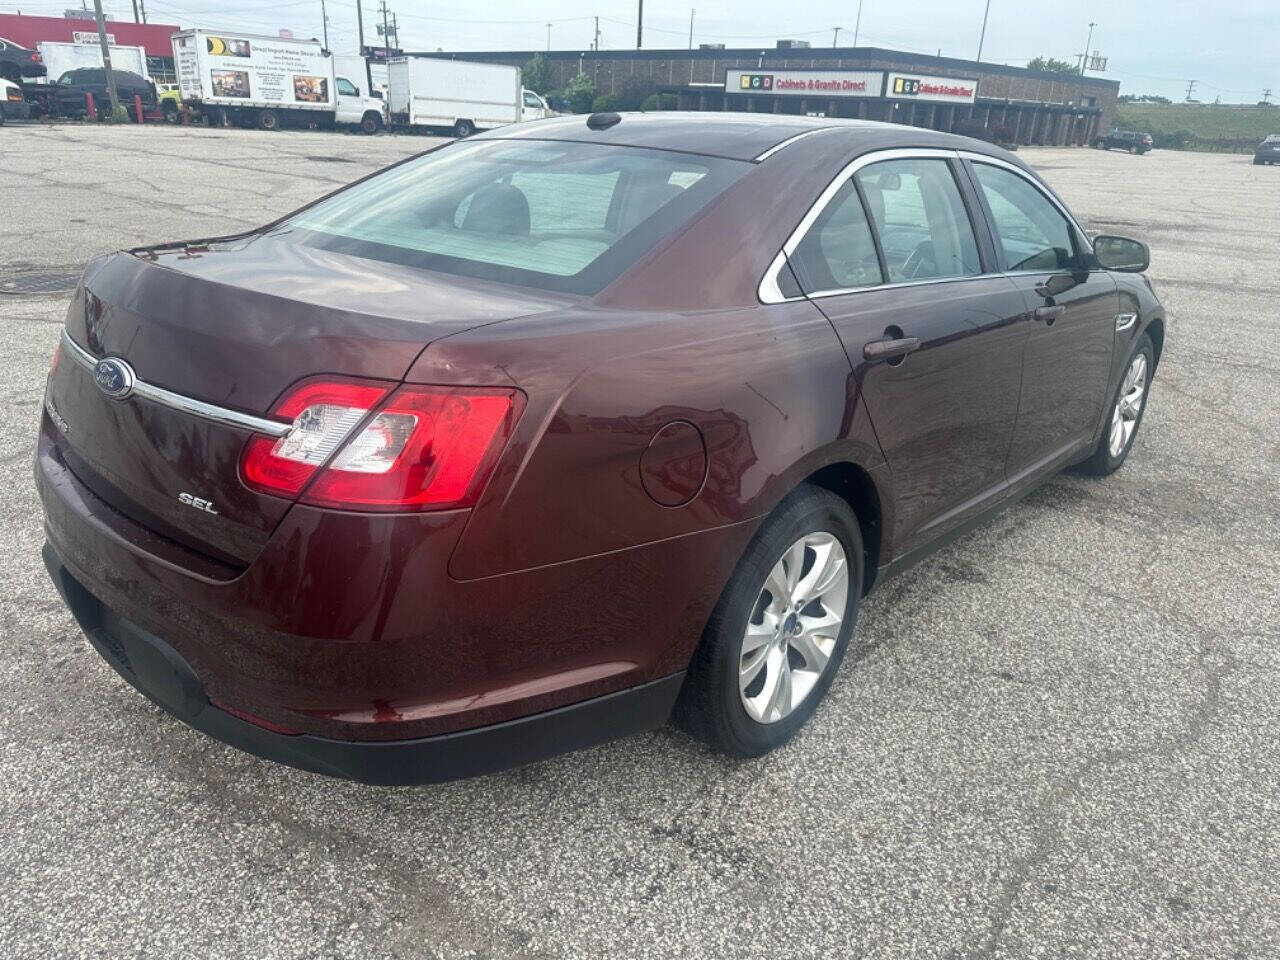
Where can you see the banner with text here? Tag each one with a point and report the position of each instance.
(805, 83)
(915, 86)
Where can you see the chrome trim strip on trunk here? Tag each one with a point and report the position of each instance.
(176, 401)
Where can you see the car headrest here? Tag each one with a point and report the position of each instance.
(498, 208)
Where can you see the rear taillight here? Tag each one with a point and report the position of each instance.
(15, 94)
(353, 447)
(35, 57)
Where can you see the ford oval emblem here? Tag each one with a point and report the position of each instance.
(114, 377)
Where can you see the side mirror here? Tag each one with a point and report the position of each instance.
(1122, 254)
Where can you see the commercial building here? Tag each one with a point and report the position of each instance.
(29, 31)
(998, 102)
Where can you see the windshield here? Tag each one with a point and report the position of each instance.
(555, 215)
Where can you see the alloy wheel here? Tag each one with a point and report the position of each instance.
(1124, 418)
(793, 628)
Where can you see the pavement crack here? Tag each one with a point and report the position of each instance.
(1050, 811)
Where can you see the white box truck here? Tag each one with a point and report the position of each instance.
(270, 82)
(60, 57)
(461, 95)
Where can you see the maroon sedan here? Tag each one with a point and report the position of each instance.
(539, 437)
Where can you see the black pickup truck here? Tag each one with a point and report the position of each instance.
(1131, 140)
(1268, 150)
(17, 62)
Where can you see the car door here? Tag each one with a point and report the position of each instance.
(892, 258)
(1071, 315)
(532, 108)
(348, 108)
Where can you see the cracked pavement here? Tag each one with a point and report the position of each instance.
(1058, 737)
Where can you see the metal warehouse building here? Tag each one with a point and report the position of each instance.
(1010, 104)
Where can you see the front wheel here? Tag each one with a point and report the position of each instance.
(370, 123)
(1127, 407)
(780, 629)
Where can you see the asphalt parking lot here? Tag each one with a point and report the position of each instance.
(1059, 737)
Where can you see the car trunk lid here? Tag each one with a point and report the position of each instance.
(233, 325)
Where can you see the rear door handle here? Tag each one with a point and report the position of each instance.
(878, 350)
(1050, 314)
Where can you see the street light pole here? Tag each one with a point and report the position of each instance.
(982, 37)
(548, 38)
(691, 13)
(1085, 56)
(324, 16)
(640, 25)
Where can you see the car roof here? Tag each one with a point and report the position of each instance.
(737, 136)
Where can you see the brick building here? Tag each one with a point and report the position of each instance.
(983, 99)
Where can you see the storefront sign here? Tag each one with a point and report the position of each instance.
(805, 83)
(81, 36)
(908, 86)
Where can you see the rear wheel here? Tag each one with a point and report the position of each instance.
(776, 637)
(370, 123)
(268, 120)
(1127, 407)
(169, 110)
(463, 128)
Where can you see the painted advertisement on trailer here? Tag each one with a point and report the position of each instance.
(246, 70)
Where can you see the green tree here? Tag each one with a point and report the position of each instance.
(536, 74)
(580, 92)
(604, 102)
(1052, 65)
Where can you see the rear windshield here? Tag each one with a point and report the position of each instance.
(555, 215)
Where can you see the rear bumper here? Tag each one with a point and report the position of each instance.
(158, 671)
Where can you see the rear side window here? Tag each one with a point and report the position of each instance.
(1032, 232)
(921, 220)
(838, 252)
(549, 214)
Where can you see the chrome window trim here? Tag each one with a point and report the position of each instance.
(770, 292)
(176, 401)
(790, 140)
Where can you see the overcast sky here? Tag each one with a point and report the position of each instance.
(1155, 46)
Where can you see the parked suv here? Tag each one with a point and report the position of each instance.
(17, 61)
(1268, 150)
(1130, 140)
(74, 84)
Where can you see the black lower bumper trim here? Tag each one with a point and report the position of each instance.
(159, 672)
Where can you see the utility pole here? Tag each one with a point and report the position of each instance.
(691, 13)
(135, 12)
(106, 58)
(1085, 56)
(143, 5)
(857, 23)
(595, 44)
(548, 38)
(1266, 95)
(324, 17)
(368, 73)
(835, 37)
(386, 38)
(982, 37)
(1191, 88)
(640, 25)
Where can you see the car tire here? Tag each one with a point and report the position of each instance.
(747, 719)
(170, 112)
(1123, 418)
(370, 123)
(268, 120)
(463, 129)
